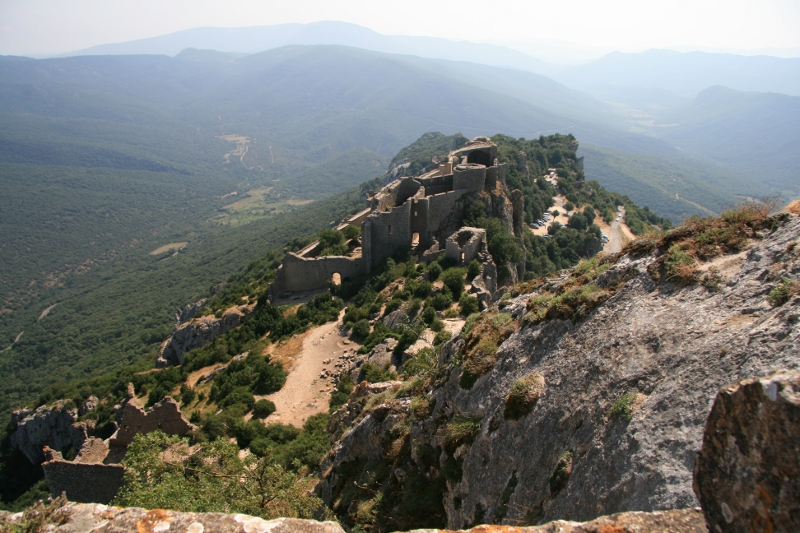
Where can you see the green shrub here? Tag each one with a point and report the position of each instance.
(429, 315)
(393, 305)
(453, 279)
(624, 405)
(783, 291)
(460, 430)
(374, 374)
(351, 232)
(420, 289)
(468, 304)
(678, 264)
(434, 271)
(362, 328)
(437, 325)
(559, 477)
(442, 337)
(187, 394)
(243, 397)
(263, 408)
(270, 379)
(423, 363)
(473, 269)
(442, 300)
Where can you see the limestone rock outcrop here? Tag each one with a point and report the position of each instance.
(49, 425)
(630, 384)
(747, 476)
(198, 332)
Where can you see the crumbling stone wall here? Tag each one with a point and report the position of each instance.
(82, 482)
(165, 415)
(313, 273)
(94, 475)
(465, 244)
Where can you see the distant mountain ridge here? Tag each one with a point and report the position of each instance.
(686, 73)
(254, 39)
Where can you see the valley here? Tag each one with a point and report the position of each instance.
(335, 279)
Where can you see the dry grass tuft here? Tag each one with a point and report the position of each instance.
(485, 334)
(794, 207)
(523, 396)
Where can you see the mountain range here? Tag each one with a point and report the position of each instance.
(118, 171)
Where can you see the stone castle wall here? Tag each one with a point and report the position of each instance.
(464, 253)
(297, 274)
(390, 230)
(425, 205)
(165, 415)
(84, 482)
(92, 477)
(469, 177)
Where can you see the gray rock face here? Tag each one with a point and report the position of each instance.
(198, 332)
(52, 426)
(747, 476)
(673, 347)
(629, 389)
(89, 405)
(188, 312)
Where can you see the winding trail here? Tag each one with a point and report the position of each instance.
(305, 393)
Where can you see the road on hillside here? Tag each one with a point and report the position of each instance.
(617, 236)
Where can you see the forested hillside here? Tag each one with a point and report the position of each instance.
(118, 176)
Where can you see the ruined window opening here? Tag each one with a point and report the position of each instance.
(390, 230)
(336, 279)
(462, 257)
(415, 214)
(414, 239)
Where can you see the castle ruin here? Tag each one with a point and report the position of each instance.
(420, 212)
(95, 476)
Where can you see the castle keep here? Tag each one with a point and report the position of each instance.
(420, 212)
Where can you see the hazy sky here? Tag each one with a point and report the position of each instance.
(53, 26)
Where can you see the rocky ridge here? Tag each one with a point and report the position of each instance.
(53, 425)
(198, 332)
(625, 381)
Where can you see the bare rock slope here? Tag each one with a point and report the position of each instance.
(614, 391)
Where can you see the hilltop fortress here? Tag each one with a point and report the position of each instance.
(423, 212)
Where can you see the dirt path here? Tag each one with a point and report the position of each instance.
(306, 393)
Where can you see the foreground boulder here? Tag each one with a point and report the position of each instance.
(747, 476)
